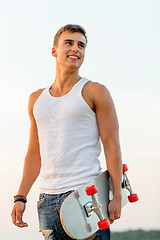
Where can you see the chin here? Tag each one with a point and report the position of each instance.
(73, 66)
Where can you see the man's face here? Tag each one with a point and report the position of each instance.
(70, 50)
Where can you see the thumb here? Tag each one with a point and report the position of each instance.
(18, 217)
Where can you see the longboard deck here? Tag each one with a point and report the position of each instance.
(73, 216)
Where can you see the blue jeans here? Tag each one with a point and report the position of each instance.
(49, 221)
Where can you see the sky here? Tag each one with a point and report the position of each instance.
(123, 53)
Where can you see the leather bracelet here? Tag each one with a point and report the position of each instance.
(20, 200)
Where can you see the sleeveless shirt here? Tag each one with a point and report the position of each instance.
(69, 140)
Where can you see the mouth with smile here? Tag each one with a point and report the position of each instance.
(73, 56)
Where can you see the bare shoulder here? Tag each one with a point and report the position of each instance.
(98, 92)
(33, 98)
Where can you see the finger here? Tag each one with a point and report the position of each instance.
(117, 214)
(18, 217)
(19, 221)
(111, 218)
(22, 224)
(111, 221)
(13, 215)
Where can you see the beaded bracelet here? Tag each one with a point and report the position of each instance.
(20, 196)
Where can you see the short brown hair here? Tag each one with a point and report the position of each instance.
(71, 28)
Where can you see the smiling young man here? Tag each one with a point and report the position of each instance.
(67, 121)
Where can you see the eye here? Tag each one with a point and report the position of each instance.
(68, 43)
(80, 45)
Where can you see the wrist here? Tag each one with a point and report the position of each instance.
(117, 195)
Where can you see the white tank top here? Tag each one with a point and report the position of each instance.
(69, 140)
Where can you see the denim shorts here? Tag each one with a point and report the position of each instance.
(49, 220)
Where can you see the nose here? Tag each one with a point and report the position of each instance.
(75, 48)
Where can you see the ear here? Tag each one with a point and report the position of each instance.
(54, 52)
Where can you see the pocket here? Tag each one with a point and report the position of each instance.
(41, 200)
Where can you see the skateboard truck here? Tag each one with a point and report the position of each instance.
(93, 206)
(133, 197)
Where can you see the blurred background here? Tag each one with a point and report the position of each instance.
(123, 53)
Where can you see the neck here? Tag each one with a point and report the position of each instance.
(65, 79)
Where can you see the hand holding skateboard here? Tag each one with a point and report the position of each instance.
(85, 210)
(104, 223)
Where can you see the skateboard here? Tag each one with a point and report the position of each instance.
(85, 210)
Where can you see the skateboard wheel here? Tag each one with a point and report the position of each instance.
(91, 190)
(133, 198)
(125, 168)
(103, 224)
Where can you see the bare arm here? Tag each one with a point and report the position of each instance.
(109, 132)
(32, 162)
(31, 168)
